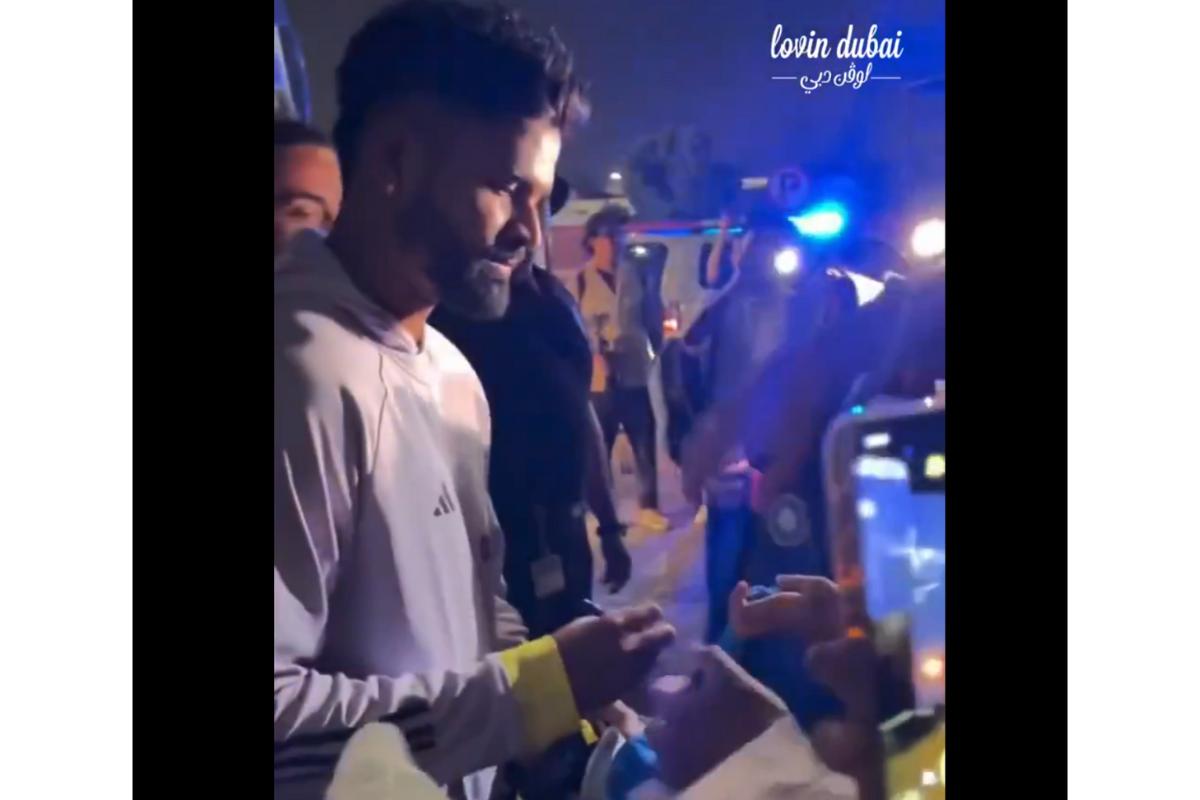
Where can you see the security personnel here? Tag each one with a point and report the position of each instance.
(536, 369)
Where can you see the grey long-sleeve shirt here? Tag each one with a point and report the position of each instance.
(388, 595)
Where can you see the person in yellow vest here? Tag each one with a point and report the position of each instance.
(612, 301)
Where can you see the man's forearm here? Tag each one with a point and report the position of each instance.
(712, 270)
(511, 704)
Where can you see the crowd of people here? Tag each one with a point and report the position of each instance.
(445, 414)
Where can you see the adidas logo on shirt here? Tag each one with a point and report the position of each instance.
(444, 504)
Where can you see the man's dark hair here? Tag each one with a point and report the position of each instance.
(290, 133)
(605, 222)
(486, 60)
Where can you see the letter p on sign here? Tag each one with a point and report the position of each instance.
(789, 187)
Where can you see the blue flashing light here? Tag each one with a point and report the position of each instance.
(821, 221)
(856, 410)
(681, 233)
(666, 233)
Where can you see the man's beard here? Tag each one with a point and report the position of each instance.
(475, 292)
(464, 282)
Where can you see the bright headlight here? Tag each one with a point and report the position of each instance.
(787, 261)
(929, 238)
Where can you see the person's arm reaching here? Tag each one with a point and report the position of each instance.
(712, 269)
(786, 395)
(507, 705)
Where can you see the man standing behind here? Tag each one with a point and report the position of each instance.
(623, 332)
(308, 182)
(388, 598)
(536, 367)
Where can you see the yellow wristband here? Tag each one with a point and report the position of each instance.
(539, 682)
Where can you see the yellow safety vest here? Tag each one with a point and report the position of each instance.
(598, 307)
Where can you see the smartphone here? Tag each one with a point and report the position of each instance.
(885, 481)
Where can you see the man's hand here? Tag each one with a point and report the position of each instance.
(851, 744)
(617, 564)
(811, 607)
(619, 716)
(805, 606)
(705, 716)
(604, 657)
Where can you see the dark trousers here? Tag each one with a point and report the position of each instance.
(629, 408)
(566, 537)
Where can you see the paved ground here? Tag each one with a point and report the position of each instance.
(668, 568)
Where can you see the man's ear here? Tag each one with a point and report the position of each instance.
(397, 172)
(400, 155)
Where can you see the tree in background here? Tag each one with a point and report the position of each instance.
(672, 175)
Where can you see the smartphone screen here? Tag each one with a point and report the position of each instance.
(898, 475)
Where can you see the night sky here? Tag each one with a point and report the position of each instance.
(655, 63)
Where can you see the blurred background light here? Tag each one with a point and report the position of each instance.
(822, 221)
(866, 508)
(929, 238)
(787, 261)
(933, 667)
(877, 441)
(935, 466)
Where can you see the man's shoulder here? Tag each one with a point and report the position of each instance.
(550, 284)
(311, 325)
(544, 279)
(321, 358)
(325, 357)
